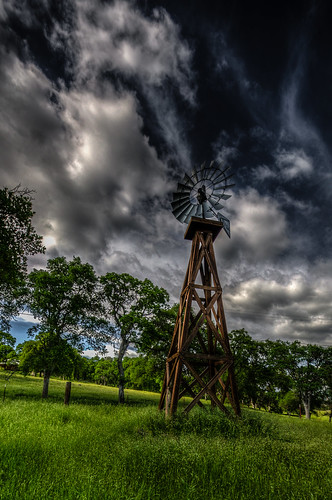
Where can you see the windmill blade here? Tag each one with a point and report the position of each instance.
(220, 185)
(199, 211)
(201, 172)
(213, 170)
(178, 211)
(222, 179)
(180, 196)
(194, 175)
(190, 214)
(187, 181)
(183, 215)
(215, 204)
(220, 196)
(183, 188)
(226, 224)
(220, 172)
(180, 203)
(208, 184)
(209, 212)
(199, 175)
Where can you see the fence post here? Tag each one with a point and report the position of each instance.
(67, 393)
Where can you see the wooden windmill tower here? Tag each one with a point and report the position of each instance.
(200, 363)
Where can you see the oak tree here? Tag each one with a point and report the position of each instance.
(18, 240)
(130, 306)
(64, 298)
(7, 347)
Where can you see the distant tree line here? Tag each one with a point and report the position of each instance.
(141, 372)
(280, 375)
(76, 309)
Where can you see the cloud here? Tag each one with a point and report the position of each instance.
(99, 182)
(295, 307)
(97, 119)
(258, 228)
(117, 43)
(294, 163)
(118, 37)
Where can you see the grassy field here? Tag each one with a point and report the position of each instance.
(95, 449)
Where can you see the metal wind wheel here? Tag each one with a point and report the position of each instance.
(199, 194)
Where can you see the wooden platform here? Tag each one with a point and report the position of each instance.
(203, 225)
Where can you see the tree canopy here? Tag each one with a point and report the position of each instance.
(277, 374)
(18, 240)
(7, 344)
(131, 305)
(64, 298)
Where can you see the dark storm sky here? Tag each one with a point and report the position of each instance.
(105, 105)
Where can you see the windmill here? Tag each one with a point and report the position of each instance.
(199, 362)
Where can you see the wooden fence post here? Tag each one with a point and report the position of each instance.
(67, 393)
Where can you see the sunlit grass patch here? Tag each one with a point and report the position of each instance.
(97, 449)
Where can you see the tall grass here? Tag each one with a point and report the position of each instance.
(95, 449)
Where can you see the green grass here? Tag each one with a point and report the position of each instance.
(95, 449)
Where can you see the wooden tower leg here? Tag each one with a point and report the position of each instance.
(200, 343)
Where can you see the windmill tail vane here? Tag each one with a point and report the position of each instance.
(199, 194)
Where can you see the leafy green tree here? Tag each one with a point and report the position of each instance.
(308, 373)
(156, 336)
(260, 368)
(106, 372)
(267, 371)
(130, 305)
(64, 299)
(7, 344)
(18, 240)
(83, 368)
(289, 402)
(47, 354)
(249, 365)
(326, 370)
(143, 373)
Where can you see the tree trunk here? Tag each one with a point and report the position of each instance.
(46, 384)
(122, 350)
(306, 404)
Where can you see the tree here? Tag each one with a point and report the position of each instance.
(289, 402)
(130, 306)
(326, 369)
(249, 365)
(261, 369)
(47, 354)
(64, 299)
(18, 240)
(143, 373)
(106, 372)
(308, 373)
(7, 344)
(156, 336)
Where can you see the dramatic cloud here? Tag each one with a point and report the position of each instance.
(296, 306)
(104, 106)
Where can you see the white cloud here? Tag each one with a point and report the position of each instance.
(258, 227)
(263, 172)
(121, 38)
(294, 163)
(84, 151)
(295, 305)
